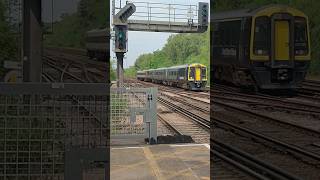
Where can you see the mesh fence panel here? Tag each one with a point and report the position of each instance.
(37, 127)
(128, 111)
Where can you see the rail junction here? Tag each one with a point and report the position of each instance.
(252, 136)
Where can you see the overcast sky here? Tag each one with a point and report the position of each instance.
(147, 42)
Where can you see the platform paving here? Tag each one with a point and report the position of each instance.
(160, 162)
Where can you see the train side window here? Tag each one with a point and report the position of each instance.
(182, 72)
(262, 36)
(228, 33)
(235, 27)
(300, 36)
(203, 72)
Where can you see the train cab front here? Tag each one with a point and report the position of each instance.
(197, 77)
(280, 48)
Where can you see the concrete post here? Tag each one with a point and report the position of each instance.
(32, 41)
(120, 71)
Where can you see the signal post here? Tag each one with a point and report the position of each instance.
(121, 38)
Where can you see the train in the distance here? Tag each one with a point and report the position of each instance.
(264, 48)
(189, 76)
(97, 44)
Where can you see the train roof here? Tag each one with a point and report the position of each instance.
(177, 67)
(174, 67)
(249, 12)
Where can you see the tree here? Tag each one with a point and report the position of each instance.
(8, 43)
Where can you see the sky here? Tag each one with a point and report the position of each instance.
(147, 42)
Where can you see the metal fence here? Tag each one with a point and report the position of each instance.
(57, 131)
(39, 123)
(133, 113)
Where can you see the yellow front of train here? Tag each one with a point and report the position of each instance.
(280, 42)
(197, 76)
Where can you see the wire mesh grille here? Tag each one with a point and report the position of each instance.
(36, 129)
(128, 113)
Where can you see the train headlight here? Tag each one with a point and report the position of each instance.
(261, 52)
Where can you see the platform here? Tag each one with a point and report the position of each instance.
(163, 162)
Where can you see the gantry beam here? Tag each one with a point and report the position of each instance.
(165, 26)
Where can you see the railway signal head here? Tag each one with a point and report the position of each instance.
(203, 14)
(123, 15)
(121, 37)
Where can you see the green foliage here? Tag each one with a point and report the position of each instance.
(8, 43)
(179, 49)
(309, 7)
(71, 30)
(130, 72)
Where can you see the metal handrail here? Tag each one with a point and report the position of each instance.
(154, 11)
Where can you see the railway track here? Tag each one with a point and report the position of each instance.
(304, 137)
(295, 143)
(246, 166)
(223, 161)
(267, 100)
(259, 101)
(195, 126)
(72, 65)
(308, 135)
(311, 86)
(249, 164)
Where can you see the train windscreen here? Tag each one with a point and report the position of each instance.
(262, 34)
(204, 73)
(300, 36)
(192, 73)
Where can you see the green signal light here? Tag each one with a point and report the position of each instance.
(121, 38)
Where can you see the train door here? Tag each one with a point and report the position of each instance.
(282, 40)
(282, 59)
(198, 74)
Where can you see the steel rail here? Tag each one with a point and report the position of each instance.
(265, 117)
(249, 163)
(201, 121)
(223, 123)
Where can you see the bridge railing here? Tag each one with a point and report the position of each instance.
(170, 13)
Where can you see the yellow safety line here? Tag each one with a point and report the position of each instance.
(153, 163)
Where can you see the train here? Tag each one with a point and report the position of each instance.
(97, 44)
(265, 48)
(188, 76)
